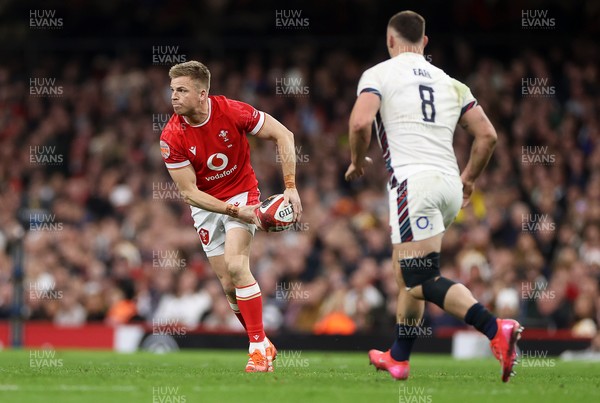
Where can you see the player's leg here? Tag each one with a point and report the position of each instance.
(238, 237)
(409, 313)
(421, 269)
(419, 264)
(211, 231)
(409, 310)
(248, 296)
(245, 288)
(431, 200)
(220, 268)
(457, 300)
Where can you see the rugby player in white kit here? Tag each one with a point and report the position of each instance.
(416, 107)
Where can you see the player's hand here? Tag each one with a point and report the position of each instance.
(247, 214)
(291, 195)
(355, 172)
(468, 187)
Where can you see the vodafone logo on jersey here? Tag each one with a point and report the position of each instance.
(218, 158)
(218, 162)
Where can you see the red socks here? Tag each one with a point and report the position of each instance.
(249, 301)
(236, 310)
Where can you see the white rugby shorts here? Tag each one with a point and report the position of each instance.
(424, 205)
(212, 227)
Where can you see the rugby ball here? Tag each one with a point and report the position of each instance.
(274, 216)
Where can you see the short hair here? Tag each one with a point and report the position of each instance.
(193, 69)
(409, 25)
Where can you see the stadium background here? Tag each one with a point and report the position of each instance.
(108, 241)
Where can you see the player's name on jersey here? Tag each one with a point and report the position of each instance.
(421, 73)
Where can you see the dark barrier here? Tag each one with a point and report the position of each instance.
(440, 343)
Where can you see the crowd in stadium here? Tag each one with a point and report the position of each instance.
(108, 239)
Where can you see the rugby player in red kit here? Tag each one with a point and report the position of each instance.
(206, 151)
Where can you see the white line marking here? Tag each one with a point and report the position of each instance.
(72, 388)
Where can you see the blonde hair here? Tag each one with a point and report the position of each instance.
(193, 69)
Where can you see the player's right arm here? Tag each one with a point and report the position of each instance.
(185, 179)
(477, 124)
(361, 120)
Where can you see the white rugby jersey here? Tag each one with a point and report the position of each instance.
(420, 106)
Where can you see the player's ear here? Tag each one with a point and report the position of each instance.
(203, 94)
(390, 41)
(425, 42)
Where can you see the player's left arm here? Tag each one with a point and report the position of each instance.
(272, 129)
(361, 120)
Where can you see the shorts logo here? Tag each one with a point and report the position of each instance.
(204, 236)
(422, 222)
(165, 151)
(218, 156)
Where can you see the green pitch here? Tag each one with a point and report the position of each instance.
(300, 376)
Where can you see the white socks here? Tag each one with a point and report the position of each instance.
(259, 346)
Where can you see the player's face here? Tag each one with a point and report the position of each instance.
(186, 97)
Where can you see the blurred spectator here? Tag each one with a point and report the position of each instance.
(70, 312)
(187, 305)
(122, 308)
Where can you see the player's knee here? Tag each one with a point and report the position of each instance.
(235, 267)
(234, 272)
(416, 293)
(417, 270)
(422, 277)
(435, 290)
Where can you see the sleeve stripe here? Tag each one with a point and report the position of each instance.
(259, 125)
(372, 91)
(176, 165)
(468, 107)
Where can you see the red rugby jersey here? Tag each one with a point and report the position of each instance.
(217, 149)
